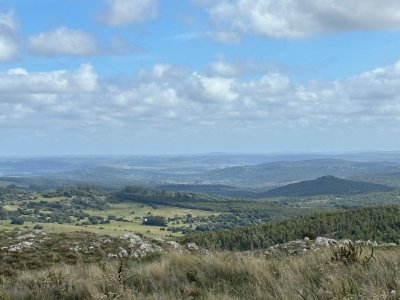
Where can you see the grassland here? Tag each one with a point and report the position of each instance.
(220, 275)
(129, 211)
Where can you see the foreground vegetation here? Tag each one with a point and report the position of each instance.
(68, 263)
(223, 275)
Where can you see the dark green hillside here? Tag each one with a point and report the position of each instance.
(326, 185)
(373, 223)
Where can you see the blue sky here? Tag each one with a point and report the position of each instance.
(153, 76)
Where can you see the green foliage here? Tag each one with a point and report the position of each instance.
(3, 213)
(17, 222)
(350, 254)
(234, 212)
(326, 185)
(378, 223)
(155, 221)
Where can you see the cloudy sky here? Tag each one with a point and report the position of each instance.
(195, 76)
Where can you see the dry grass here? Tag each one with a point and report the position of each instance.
(215, 276)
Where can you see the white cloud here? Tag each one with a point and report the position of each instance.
(64, 41)
(8, 37)
(20, 81)
(125, 12)
(300, 18)
(215, 89)
(224, 69)
(167, 98)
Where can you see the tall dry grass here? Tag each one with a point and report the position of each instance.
(222, 275)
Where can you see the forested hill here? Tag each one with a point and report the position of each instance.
(373, 223)
(326, 185)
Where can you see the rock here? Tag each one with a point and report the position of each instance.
(192, 246)
(21, 246)
(26, 236)
(158, 240)
(75, 248)
(132, 238)
(122, 252)
(139, 247)
(323, 241)
(174, 245)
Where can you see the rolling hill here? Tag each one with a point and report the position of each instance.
(290, 171)
(326, 185)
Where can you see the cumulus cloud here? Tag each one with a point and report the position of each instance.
(20, 81)
(225, 69)
(8, 37)
(125, 12)
(299, 18)
(167, 97)
(64, 41)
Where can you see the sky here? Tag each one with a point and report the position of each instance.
(198, 76)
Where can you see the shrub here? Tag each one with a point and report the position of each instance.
(17, 222)
(155, 221)
(350, 254)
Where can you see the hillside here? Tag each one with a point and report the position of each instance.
(290, 171)
(186, 273)
(326, 185)
(215, 189)
(372, 223)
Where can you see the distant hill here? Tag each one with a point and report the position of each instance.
(390, 179)
(290, 171)
(326, 185)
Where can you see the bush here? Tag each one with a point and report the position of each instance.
(350, 254)
(17, 222)
(155, 221)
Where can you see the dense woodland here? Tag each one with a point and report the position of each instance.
(326, 185)
(373, 223)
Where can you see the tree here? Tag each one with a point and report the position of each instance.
(155, 221)
(17, 222)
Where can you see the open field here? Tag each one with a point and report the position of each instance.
(131, 209)
(114, 228)
(133, 213)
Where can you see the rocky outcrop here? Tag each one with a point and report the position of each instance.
(302, 246)
(127, 245)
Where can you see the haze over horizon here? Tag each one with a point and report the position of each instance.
(101, 77)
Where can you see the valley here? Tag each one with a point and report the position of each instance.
(161, 221)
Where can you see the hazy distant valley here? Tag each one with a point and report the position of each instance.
(238, 170)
